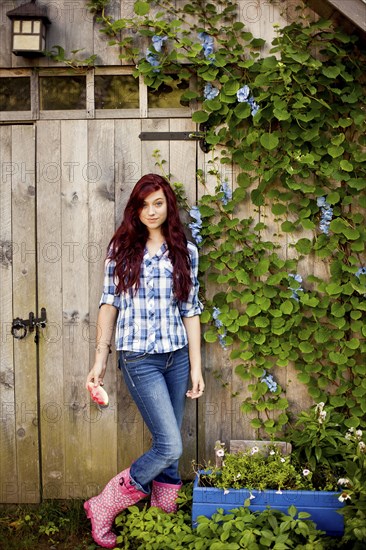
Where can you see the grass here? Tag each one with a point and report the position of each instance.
(52, 525)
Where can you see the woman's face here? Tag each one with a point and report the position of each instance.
(154, 210)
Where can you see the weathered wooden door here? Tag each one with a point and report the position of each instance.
(65, 184)
(19, 432)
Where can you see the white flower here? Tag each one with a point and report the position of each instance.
(254, 450)
(348, 435)
(279, 492)
(283, 459)
(306, 472)
(220, 452)
(251, 496)
(362, 446)
(226, 491)
(238, 476)
(359, 433)
(344, 481)
(272, 452)
(343, 497)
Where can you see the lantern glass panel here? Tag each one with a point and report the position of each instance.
(36, 27)
(27, 27)
(26, 42)
(16, 26)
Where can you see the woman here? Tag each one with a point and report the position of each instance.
(151, 289)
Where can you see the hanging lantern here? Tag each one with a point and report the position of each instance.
(29, 26)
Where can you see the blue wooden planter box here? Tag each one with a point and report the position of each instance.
(321, 505)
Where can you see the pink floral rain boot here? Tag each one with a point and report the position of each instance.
(117, 495)
(164, 495)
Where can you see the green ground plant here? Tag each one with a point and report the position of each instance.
(52, 524)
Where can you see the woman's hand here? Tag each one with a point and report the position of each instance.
(198, 385)
(193, 328)
(105, 325)
(96, 374)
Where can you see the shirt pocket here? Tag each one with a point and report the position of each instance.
(166, 286)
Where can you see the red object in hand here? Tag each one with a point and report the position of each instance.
(98, 394)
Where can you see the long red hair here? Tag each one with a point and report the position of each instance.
(128, 243)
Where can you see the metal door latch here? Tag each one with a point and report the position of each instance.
(20, 327)
(179, 136)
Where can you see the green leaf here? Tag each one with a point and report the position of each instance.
(256, 423)
(242, 110)
(200, 116)
(335, 151)
(210, 336)
(141, 8)
(346, 165)
(278, 209)
(287, 307)
(352, 422)
(269, 141)
(243, 180)
(306, 347)
(253, 310)
(337, 358)
(281, 114)
(231, 87)
(353, 343)
(205, 316)
(287, 226)
(304, 246)
(261, 268)
(331, 72)
(333, 288)
(333, 198)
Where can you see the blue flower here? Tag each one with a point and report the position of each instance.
(360, 271)
(298, 279)
(243, 96)
(228, 194)
(215, 314)
(272, 384)
(196, 226)
(253, 105)
(210, 92)
(158, 42)
(326, 215)
(218, 324)
(207, 42)
(152, 57)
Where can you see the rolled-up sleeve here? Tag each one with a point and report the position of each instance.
(110, 295)
(192, 306)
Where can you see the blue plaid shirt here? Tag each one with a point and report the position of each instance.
(150, 320)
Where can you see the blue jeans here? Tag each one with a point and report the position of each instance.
(158, 384)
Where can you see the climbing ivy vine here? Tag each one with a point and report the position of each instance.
(292, 124)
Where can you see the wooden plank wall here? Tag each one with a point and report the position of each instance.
(82, 192)
(73, 28)
(18, 371)
(85, 172)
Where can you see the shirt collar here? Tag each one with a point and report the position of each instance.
(159, 254)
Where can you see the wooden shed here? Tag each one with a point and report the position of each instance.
(69, 155)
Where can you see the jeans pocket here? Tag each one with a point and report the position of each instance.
(133, 356)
